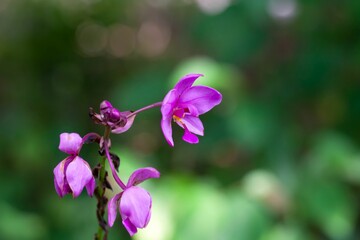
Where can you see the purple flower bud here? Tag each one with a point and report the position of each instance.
(120, 128)
(105, 106)
(117, 118)
(115, 115)
(112, 116)
(109, 116)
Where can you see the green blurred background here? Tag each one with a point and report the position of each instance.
(280, 159)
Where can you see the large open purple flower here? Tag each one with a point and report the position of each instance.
(183, 104)
(134, 202)
(73, 173)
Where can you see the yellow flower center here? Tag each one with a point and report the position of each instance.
(177, 119)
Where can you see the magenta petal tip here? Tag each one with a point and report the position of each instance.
(70, 143)
(141, 175)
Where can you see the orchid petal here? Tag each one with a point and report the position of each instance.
(135, 205)
(169, 103)
(186, 82)
(192, 110)
(78, 174)
(141, 175)
(148, 217)
(57, 188)
(105, 106)
(193, 124)
(70, 143)
(129, 227)
(201, 97)
(112, 205)
(128, 124)
(59, 174)
(90, 187)
(59, 177)
(167, 109)
(189, 137)
(167, 131)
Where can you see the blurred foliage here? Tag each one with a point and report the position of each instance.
(280, 159)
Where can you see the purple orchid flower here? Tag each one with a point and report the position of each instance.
(183, 104)
(134, 202)
(73, 173)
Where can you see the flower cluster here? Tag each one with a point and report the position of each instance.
(183, 105)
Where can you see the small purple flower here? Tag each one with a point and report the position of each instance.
(183, 104)
(109, 116)
(134, 203)
(73, 173)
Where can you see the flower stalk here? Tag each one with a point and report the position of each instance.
(101, 199)
(101, 203)
(158, 104)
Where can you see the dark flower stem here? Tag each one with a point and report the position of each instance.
(101, 199)
(158, 104)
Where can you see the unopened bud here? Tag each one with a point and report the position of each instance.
(105, 107)
(114, 115)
